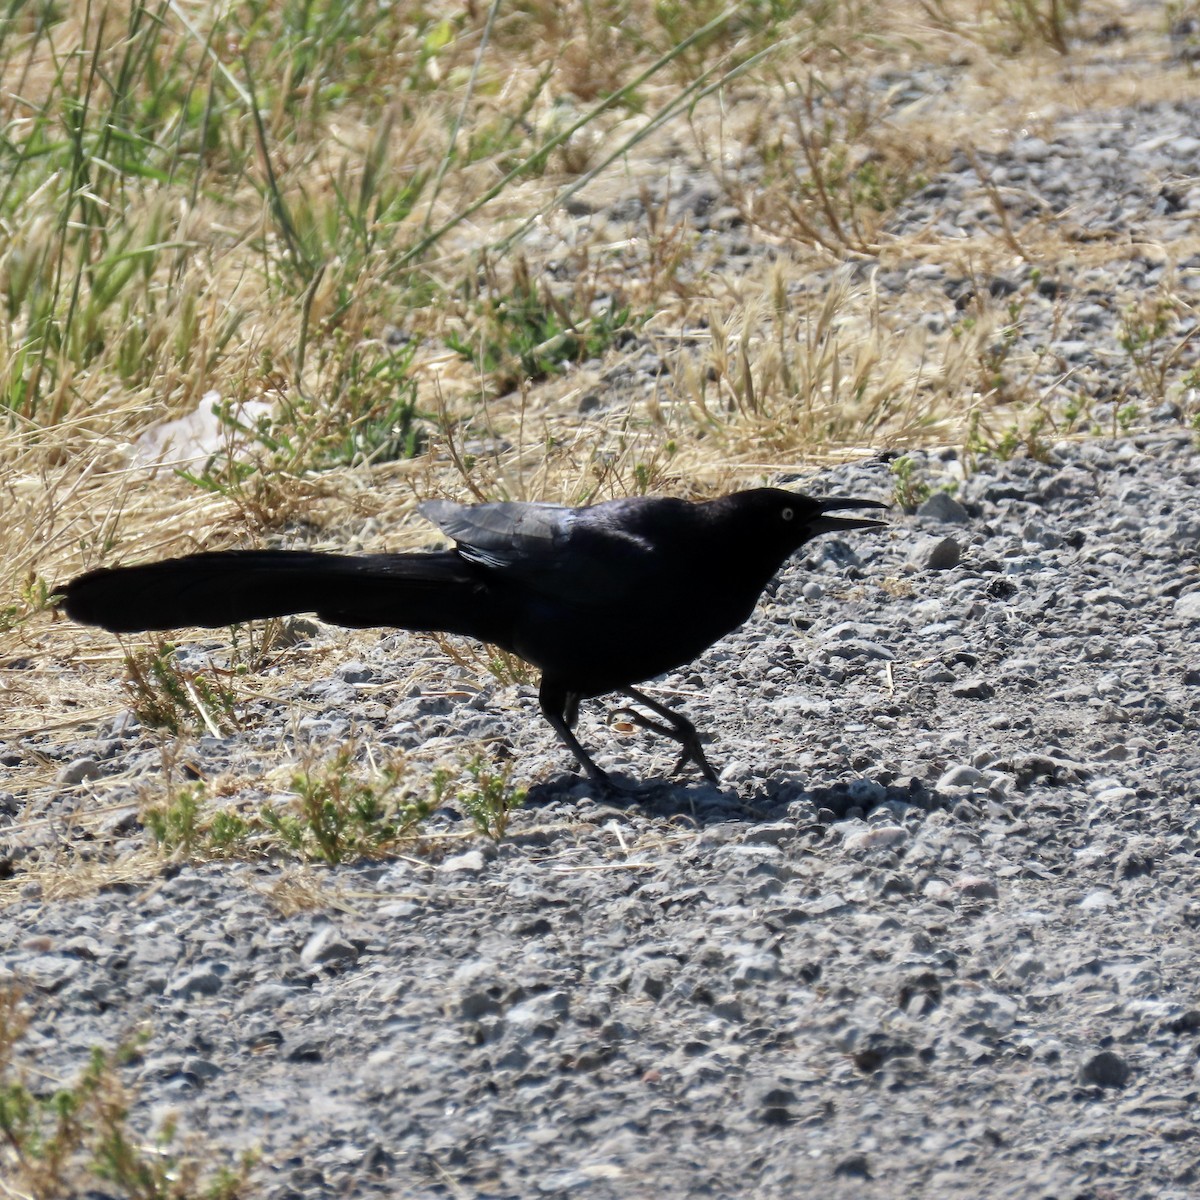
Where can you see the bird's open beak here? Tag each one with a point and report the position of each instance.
(827, 524)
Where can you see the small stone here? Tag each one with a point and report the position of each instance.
(201, 1069)
(267, 997)
(304, 1047)
(961, 776)
(878, 837)
(826, 905)
(78, 771)
(470, 863)
(476, 1003)
(775, 1105)
(1187, 608)
(1185, 1022)
(754, 969)
(49, 972)
(936, 554)
(859, 648)
(942, 506)
(326, 947)
(354, 672)
(650, 980)
(770, 835)
(866, 792)
(204, 980)
(540, 1015)
(1115, 797)
(1105, 1069)
(974, 689)
(120, 821)
(976, 888)
(853, 1166)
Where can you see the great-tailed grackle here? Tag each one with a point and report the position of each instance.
(599, 598)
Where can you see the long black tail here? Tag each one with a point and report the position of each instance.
(433, 591)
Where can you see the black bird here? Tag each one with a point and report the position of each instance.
(599, 598)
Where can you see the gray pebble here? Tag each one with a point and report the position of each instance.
(326, 947)
(1187, 607)
(471, 862)
(961, 776)
(79, 771)
(943, 507)
(1105, 1069)
(935, 554)
(204, 980)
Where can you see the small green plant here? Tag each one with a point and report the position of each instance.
(176, 825)
(163, 694)
(1146, 336)
(366, 412)
(178, 816)
(1073, 410)
(526, 332)
(909, 490)
(33, 597)
(228, 833)
(59, 1142)
(489, 801)
(1014, 437)
(340, 811)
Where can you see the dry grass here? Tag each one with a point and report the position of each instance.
(298, 207)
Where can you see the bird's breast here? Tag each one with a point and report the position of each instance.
(597, 650)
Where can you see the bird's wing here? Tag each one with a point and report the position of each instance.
(547, 547)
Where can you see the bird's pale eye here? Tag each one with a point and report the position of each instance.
(787, 514)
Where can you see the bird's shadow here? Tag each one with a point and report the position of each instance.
(707, 804)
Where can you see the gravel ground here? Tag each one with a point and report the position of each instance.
(936, 934)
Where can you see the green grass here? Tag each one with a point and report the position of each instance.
(523, 331)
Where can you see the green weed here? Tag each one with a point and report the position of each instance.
(34, 597)
(177, 825)
(909, 490)
(363, 411)
(163, 694)
(1148, 336)
(526, 332)
(489, 800)
(60, 1142)
(340, 811)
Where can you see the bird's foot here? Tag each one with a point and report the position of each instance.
(684, 733)
(694, 754)
(604, 783)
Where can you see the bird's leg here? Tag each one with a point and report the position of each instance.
(561, 709)
(678, 729)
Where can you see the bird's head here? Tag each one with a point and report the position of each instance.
(776, 523)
